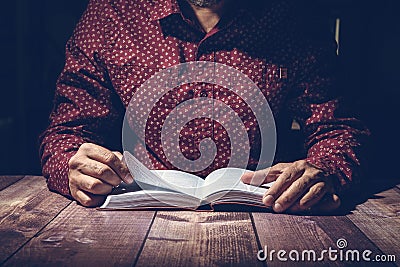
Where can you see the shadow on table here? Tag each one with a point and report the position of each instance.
(366, 190)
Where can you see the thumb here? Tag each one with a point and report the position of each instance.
(128, 176)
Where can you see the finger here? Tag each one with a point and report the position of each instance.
(258, 177)
(99, 170)
(279, 167)
(118, 154)
(91, 185)
(284, 180)
(264, 176)
(107, 157)
(294, 192)
(311, 198)
(88, 200)
(314, 195)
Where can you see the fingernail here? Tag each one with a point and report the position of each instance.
(128, 178)
(268, 200)
(278, 207)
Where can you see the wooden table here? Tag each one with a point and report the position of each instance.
(40, 228)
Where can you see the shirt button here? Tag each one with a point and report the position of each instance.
(203, 93)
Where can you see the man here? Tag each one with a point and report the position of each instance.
(118, 45)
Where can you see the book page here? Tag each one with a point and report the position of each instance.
(227, 179)
(147, 199)
(188, 182)
(224, 179)
(221, 180)
(169, 179)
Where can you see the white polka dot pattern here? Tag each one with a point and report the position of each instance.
(119, 44)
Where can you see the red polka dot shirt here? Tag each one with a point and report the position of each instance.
(118, 45)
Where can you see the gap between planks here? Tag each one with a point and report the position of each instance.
(185, 238)
(26, 207)
(6, 181)
(82, 236)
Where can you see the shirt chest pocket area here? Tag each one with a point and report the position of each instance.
(148, 86)
(269, 77)
(128, 78)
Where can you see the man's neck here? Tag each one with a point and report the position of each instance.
(208, 17)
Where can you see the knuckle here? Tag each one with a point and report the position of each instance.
(73, 162)
(108, 157)
(93, 185)
(101, 171)
(300, 164)
(293, 172)
(286, 177)
(315, 171)
(279, 166)
(319, 187)
(72, 180)
(307, 179)
(298, 184)
(85, 147)
(72, 186)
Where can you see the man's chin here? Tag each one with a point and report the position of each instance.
(204, 3)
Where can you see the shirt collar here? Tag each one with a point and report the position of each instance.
(163, 8)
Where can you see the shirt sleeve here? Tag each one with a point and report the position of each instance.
(334, 139)
(84, 103)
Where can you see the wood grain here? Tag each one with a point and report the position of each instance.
(318, 233)
(25, 208)
(87, 237)
(379, 219)
(200, 239)
(40, 228)
(6, 181)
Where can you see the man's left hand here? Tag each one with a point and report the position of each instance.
(299, 187)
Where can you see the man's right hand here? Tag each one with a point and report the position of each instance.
(93, 172)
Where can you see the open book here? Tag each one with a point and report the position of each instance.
(177, 189)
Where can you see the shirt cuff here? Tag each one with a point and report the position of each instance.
(56, 172)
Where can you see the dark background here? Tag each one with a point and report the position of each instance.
(34, 33)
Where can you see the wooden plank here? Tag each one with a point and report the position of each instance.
(25, 208)
(304, 233)
(9, 180)
(379, 219)
(87, 237)
(187, 238)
